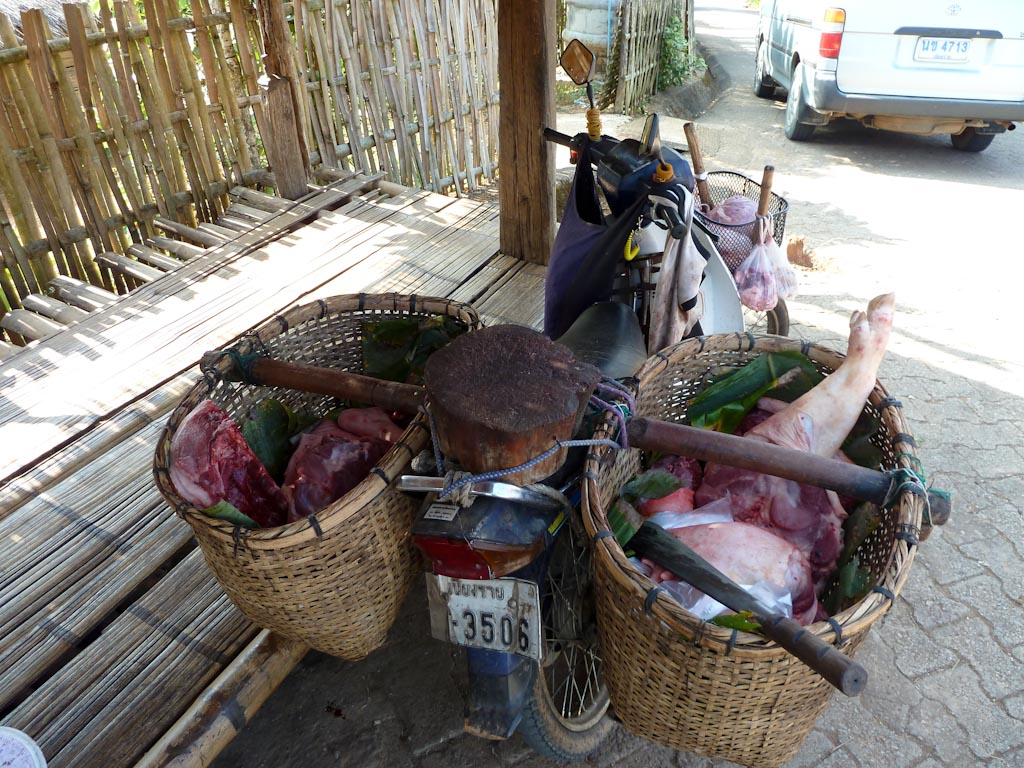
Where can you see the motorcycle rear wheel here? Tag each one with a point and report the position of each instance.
(566, 717)
(774, 321)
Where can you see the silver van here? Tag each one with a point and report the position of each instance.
(914, 66)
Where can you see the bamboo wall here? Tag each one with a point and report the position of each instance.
(150, 110)
(637, 51)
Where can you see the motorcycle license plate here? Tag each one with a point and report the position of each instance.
(494, 614)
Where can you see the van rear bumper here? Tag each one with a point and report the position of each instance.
(823, 95)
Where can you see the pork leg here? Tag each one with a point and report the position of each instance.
(820, 420)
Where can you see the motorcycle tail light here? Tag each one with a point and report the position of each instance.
(463, 559)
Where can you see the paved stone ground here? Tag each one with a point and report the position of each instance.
(946, 666)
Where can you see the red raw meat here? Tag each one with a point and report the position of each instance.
(677, 501)
(371, 423)
(686, 470)
(328, 463)
(211, 462)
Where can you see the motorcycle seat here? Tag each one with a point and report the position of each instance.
(607, 335)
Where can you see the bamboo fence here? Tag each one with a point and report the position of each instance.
(151, 110)
(636, 52)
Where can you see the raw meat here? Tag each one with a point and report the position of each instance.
(211, 462)
(734, 210)
(677, 501)
(817, 422)
(371, 423)
(687, 470)
(749, 554)
(328, 463)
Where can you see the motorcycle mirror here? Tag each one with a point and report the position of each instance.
(650, 139)
(579, 62)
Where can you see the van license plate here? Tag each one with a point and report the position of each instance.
(942, 49)
(495, 614)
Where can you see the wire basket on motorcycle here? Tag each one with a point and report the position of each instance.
(735, 240)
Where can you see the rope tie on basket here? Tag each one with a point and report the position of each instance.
(904, 479)
(243, 361)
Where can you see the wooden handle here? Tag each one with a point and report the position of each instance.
(766, 190)
(697, 161)
(389, 395)
(756, 455)
(666, 550)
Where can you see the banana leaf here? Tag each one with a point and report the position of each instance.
(724, 404)
(652, 484)
(225, 510)
(267, 428)
(397, 349)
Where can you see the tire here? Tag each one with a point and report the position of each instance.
(774, 321)
(566, 717)
(764, 86)
(795, 106)
(971, 141)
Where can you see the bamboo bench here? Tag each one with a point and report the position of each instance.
(71, 299)
(117, 647)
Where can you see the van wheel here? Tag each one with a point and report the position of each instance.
(971, 141)
(764, 86)
(795, 106)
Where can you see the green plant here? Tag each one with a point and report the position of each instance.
(677, 62)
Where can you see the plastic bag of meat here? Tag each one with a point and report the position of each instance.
(785, 275)
(764, 564)
(734, 210)
(755, 279)
(211, 463)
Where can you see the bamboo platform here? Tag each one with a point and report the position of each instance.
(117, 647)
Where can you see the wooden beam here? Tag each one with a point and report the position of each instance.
(526, 184)
(284, 142)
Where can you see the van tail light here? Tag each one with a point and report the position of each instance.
(464, 559)
(832, 33)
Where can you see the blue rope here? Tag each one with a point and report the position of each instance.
(498, 473)
(438, 456)
(907, 480)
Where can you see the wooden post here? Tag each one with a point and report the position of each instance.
(285, 144)
(526, 70)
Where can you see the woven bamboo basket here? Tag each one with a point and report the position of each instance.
(694, 686)
(336, 579)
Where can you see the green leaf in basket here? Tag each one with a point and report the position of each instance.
(224, 510)
(267, 428)
(723, 404)
(397, 349)
(652, 484)
(623, 521)
(859, 524)
(850, 584)
(742, 621)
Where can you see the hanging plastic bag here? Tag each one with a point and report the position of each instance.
(785, 275)
(755, 276)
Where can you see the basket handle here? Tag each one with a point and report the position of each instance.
(697, 160)
(766, 190)
(657, 544)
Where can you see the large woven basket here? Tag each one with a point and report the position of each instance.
(336, 579)
(695, 686)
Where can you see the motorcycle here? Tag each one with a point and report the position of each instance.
(510, 577)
